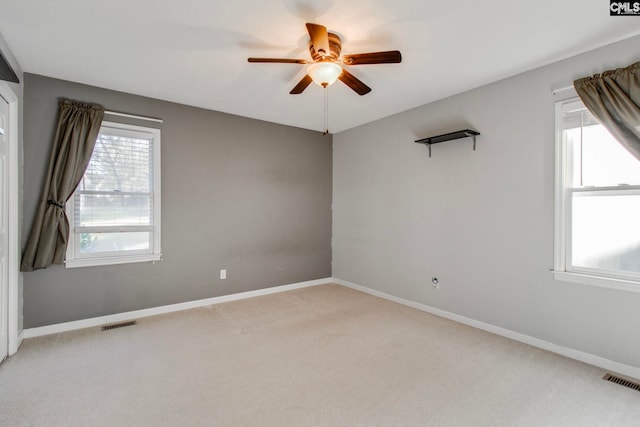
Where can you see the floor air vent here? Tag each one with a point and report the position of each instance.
(622, 382)
(118, 325)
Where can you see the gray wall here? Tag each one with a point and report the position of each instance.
(249, 196)
(482, 221)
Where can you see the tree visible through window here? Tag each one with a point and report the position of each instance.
(115, 209)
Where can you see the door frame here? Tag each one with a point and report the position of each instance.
(13, 169)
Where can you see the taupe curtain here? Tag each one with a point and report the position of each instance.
(76, 134)
(613, 97)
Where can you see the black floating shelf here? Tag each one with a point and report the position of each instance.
(449, 137)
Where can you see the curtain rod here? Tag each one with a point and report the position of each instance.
(561, 89)
(133, 116)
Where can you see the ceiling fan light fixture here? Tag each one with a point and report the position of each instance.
(324, 73)
(325, 48)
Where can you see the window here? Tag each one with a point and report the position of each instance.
(114, 214)
(597, 203)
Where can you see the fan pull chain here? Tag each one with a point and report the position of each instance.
(326, 110)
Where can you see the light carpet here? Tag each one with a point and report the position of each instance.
(319, 356)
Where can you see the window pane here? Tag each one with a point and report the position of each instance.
(112, 210)
(119, 163)
(599, 159)
(606, 231)
(114, 242)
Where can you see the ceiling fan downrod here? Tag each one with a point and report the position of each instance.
(326, 108)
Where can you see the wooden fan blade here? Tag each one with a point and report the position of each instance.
(302, 85)
(278, 60)
(354, 83)
(319, 38)
(387, 57)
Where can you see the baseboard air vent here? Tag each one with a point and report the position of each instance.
(622, 382)
(118, 325)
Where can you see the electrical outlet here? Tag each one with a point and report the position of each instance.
(223, 274)
(435, 283)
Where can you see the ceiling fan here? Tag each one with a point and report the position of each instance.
(325, 68)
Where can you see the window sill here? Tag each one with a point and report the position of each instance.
(92, 262)
(603, 282)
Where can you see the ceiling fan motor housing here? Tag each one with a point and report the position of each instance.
(335, 47)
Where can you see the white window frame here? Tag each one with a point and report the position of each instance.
(75, 259)
(562, 229)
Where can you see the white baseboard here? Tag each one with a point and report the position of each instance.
(138, 314)
(591, 359)
(609, 365)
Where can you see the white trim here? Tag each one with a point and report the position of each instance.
(562, 89)
(123, 259)
(559, 180)
(157, 194)
(133, 116)
(15, 336)
(601, 362)
(603, 282)
(137, 314)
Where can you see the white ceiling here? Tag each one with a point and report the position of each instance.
(195, 51)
